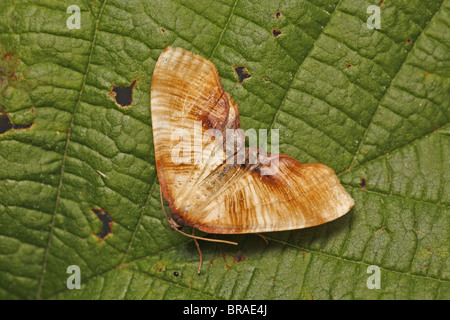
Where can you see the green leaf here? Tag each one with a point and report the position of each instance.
(373, 104)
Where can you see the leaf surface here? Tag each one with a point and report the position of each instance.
(372, 104)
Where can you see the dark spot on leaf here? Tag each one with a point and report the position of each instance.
(409, 41)
(266, 79)
(242, 73)
(159, 266)
(163, 30)
(277, 14)
(176, 274)
(7, 125)
(383, 229)
(8, 66)
(348, 66)
(427, 73)
(123, 95)
(107, 221)
(276, 32)
(363, 183)
(239, 257)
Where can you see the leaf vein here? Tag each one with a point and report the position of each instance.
(224, 29)
(298, 69)
(388, 87)
(47, 250)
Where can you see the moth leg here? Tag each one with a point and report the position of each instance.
(262, 237)
(173, 224)
(199, 251)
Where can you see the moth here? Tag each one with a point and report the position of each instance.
(207, 191)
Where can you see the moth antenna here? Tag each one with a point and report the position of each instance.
(172, 223)
(206, 239)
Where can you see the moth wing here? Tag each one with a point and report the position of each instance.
(283, 195)
(187, 102)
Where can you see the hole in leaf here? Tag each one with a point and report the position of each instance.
(123, 95)
(107, 221)
(6, 124)
(277, 14)
(276, 32)
(242, 73)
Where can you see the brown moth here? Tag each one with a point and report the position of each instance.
(211, 194)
